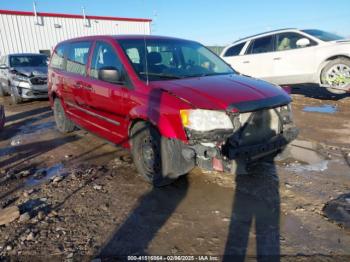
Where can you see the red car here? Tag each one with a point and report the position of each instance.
(173, 102)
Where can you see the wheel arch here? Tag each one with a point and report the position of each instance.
(167, 126)
(324, 63)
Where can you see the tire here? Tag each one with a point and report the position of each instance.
(63, 123)
(15, 97)
(2, 92)
(326, 74)
(147, 156)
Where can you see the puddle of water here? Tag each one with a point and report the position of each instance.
(48, 174)
(318, 167)
(328, 109)
(37, 128)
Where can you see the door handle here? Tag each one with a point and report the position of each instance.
(277, 58)
(246, 62)
(87, 86)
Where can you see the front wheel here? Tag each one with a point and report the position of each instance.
(336, 75)
(63, 123)
(2, 92)
(15, 97)
(146, 152)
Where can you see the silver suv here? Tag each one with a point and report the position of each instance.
(23, 76)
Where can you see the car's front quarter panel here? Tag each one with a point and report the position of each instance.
(160, 108)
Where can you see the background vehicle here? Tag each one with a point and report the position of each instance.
(292, 56)
(23, 76)
(174, 102)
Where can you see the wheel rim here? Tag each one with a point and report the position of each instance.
(338, 76)
(150, 155)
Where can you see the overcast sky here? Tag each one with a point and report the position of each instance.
(210, 22)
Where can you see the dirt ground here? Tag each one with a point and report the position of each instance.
(81, 198)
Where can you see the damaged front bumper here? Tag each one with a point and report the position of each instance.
(27, 90)
(257, 135)
(227, 159)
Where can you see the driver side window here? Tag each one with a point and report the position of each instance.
(104, 56)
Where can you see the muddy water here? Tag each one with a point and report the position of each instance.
(328, 109)
(44, 175)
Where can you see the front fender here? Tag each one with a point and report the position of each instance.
(169, 126)
(162, 110)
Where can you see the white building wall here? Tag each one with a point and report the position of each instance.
(20, 34)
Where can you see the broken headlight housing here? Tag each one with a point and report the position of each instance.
(286, 114)
(205, 120)
(20, 78)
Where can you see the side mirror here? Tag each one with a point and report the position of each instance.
(109, 74)
(3, 67)
(303, 42)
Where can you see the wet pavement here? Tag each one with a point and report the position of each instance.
(81, 197)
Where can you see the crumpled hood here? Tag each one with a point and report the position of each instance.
(221, 92)
(31, 71)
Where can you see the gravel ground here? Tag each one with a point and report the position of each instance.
(77, 197)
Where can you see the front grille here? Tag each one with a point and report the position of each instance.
(258, 126)
(38, 80)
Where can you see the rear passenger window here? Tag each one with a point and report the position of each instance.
(57, 60)
(234, 50)
(104, 57)
(77, 57)
(261, 45)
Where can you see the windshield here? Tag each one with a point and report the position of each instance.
(172, 59)
(322, 35)
(28, 61)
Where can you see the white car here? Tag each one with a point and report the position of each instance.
(292, 56)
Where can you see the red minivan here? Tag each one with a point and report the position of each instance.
(173, 102)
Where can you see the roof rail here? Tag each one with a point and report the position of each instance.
(263, 33)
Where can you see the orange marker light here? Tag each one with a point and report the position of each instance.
(185, 117)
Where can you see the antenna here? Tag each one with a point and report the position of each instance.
(153, 23)
(35, 14)
(86, 22)
(144, 41)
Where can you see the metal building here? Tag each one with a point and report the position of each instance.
(32, 32)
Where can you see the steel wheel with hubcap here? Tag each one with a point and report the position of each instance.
(146, 152)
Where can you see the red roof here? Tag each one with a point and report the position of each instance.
(26, 13)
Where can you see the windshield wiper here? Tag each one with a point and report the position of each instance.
(208, 74)
(161, 75)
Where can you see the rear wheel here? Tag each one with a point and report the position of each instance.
(146, 152)
(336, 75)
(63, 123)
